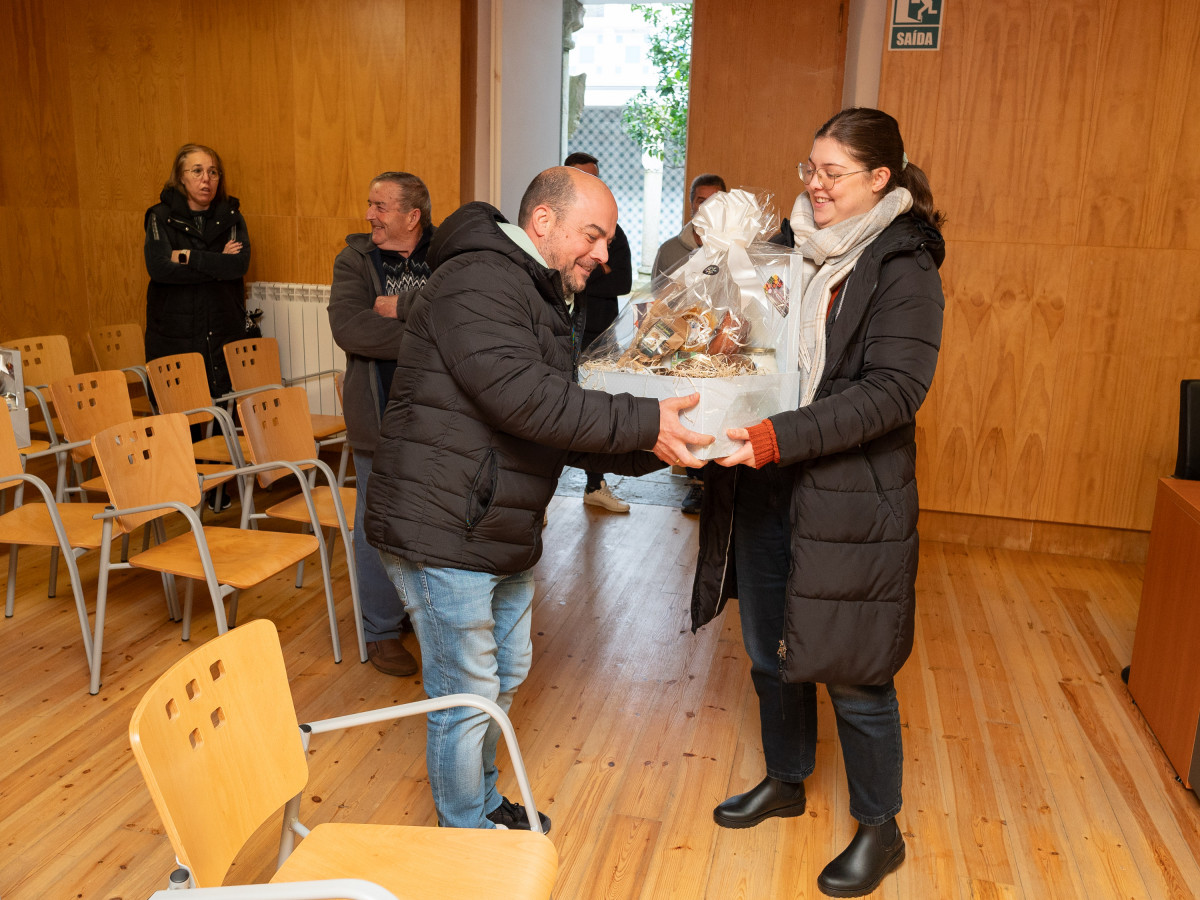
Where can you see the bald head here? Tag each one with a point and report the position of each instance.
(570, 216)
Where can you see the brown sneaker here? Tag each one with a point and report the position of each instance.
(390, 657)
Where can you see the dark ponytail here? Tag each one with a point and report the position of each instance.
(872, 137)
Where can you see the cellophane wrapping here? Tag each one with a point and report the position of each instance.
(727, 322)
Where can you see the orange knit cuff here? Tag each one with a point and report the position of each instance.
(764, 443)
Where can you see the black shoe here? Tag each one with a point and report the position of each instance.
(875, 851)
(226, 501)
(770, 797)
(513, 815)
(691, 503)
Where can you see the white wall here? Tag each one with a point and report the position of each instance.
(530, 94)
(867, 29)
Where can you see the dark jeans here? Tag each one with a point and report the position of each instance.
(382, 606)
(868, 716)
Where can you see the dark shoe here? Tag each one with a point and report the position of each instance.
(875, 851)
(769, 798)
(513, 815)
(691, 503)
(226, 501)
(390, 657)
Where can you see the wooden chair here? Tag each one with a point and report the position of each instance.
(217, 741)
(69, 528)
(88, 403)
(148, 472)
(254, 364)
(45, 359)
(123, 347)
(277, 425)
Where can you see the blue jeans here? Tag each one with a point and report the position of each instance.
(868, 716)
(382, 609)
(474, 633)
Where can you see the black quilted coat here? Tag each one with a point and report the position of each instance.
(198, 307)
(484, 410)
(851, 586)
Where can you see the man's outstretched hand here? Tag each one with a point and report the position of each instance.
(673, 436)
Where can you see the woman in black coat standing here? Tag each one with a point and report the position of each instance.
(812, 522)
(197, 252)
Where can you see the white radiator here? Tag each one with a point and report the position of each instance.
(296, 315)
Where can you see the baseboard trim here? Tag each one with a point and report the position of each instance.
(1117, 544)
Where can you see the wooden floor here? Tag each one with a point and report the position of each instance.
(1028, 771)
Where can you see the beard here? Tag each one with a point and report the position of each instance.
(567, 266)
(572, 283)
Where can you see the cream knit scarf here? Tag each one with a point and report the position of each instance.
(833, 251)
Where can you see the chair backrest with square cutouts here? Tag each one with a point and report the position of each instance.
(218, 744)
(253, 363)
(277, 425)
(44, 359)
(179, 383)
(118, 347)
(88, 403)
(147, 461)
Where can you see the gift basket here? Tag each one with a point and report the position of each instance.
(727, 322)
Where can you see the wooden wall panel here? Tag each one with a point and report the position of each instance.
(242, 104)
(1070, 317)
(319, 241)
(37, 166)
(984, 424)
(434, 119)
(1148, 76)
(997, 117)
(131, 89)
(1132, 336)
(113, 276)
(273, 248)
(376, 116)
(304, 100)
(321, 97)
(50, 291)
(764, 79)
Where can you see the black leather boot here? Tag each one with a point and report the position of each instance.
(770, 797)
(875, 851)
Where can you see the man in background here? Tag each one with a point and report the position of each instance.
(375, 279)
(608, 281)
(673, 252)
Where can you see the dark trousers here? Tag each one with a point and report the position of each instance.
(868, 716)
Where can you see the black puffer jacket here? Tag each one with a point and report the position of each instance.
(851, 587)
(201, 306)
(484, 410)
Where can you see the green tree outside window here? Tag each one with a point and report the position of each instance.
(656, 119)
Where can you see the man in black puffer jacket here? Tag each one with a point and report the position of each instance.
(483, 414)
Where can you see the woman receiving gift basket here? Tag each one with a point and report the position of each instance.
(811, 522)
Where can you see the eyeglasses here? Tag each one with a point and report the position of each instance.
(199, 172)
(824, 179)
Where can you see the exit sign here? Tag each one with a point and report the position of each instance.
(916, 24)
